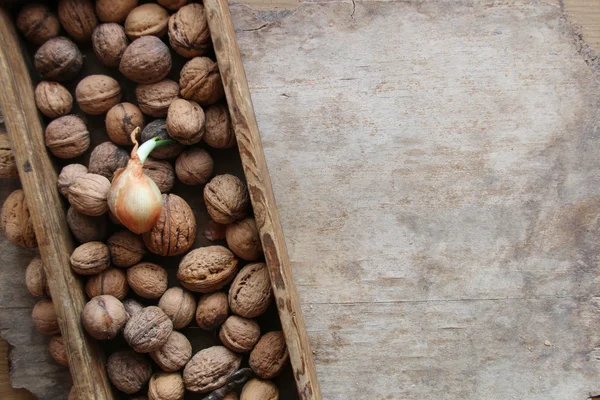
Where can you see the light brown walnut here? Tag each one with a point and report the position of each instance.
(111, 281)
(147, 19)
(86, 228)
(154, 99)
(106, 159)
(78, 17)
(58, 351)
(239, 334)
(147, 280)
(8, 165)
(114, 10)
(68, 175)
(53, 99)
(185, 121)
(15, 220)
(189, 35)
(37, 23)
(166, 386)
(126, 248)
(175, 231)
(212, 310)
(207, 269)
(218, 129)
(89, 193)
(58, 59)
(121, 120)
(200, 81)
(172, 4)
(148, 330)
(45, 318)
(67, 137)
(90, 258)
(179, 305)
(210, 368)
(174, 354)
(258, 389)
(128, 370)
(109, 43)
(269, 356)
(244, 240)
(194, 166)
(226, 198)
(161, 172)
(35, 278)
(250, 294)
(96, 94)
(146, 60)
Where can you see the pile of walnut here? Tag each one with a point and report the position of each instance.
(215, 292)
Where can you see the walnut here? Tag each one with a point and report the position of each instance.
(35, 278)
(132, 307)
(126, 248)
(111, 281)
(172, 4)
(106, 159)
(53, 99)
(68, 175)
(239, 334)
(89, 193)
(158, 128)
(37, 23)
(78, 18)
(210, 368)
(15, 220)
(128, 370)
(212, 311)
(207, 269)
(154, 98)
(86, 228)
(174, 354)
(103, 317)
(96, 94)
(109, 43)
(58, 350)
(166, 386)
(231, 396)
(161, 172)
(226, 198)
(67, 137)
(257, 389)
(219, 131)
(189, 35)
(194, 166)
(269, 356)
(58, 59)
(90, 258)
(146, 60)
(8, 166)
(244, 240)
(250, 294)
(175, 231)
(147, 280)
(114, 11)
(145, 20)
(148, 330)
(185, 121)
(179, 305)
(121, 120)
(200, 81)
(215, 231)
(45, 318)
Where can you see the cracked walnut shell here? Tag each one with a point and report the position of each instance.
(207, 269)
(148, 330)
(89, 193)
(179, 305)
(15, 220)
(174, 354)
(212, 310)
(166, 386)
(58, 59)
(200, 81)
(128, 370)
(250, 294)
(239, 334)
(37, 23)
(147, 280)
(210, 368)
(96, 94)
(175, 230)
(126, 248)
(226, 198)
(67, 137)
(53, 99)
(189, 35)
(269, 356)
(146, 60)
(78, 18)
(90, 258)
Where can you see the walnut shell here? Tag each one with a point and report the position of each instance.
(231, 396)
(90, 258)
(45, 318)
(244, 240)
(158, 128)
(174, 354)
(250, 294)
(67, 137)
(207, 269)
(239, 334)
(121, 120)
(89, 193)
(161, 172)
(78, 18)
(215, 231)
(58, 59)
(8, 166)
(185, 121)
(148, 330)
(269, 356)
(35, 278)
(96, 94)
(53, 99)
(58, 351)
(200, 81)
(194, 166)
(179, 305)
(15, 220)
(126, 248)
(147, 19)
(68, 175)
(37, 23)
(226, 198)
(111, 281)
(114, 11)
(146, 60)
(147, 280)
(154, 99)
(109, 43)
(132, 307)
(166, 386)
(106, 159)
(175, 231)
(210, 368)
(218, 129)
(189, 35)
(128, 370)
(86, 228)
(212, 310)
(257, 389)
(172, 4)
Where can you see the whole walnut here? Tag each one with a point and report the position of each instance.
(96, 94)
(111, 281)
(215, 231)
(239, 334)
(103, 317)
(174, 354)
(200, 81)
(90, 258)
(257, 389)
(121, 120)
(35, 278)
(126, 248)
(89, 193)
(58, 351)
(67, 137)
(207, 269)
(58, 59)
(68, 175)
(244, 240)
(146, 60)
(147, 19)
(86, 228)
(218, 129)
(269, 356)
(250, 294)
(109, 43)
(172, 4)
(132, 307)
(148, 330)
(114, 11)
(210, 368)
(179, 305)
(166, 386)
(175, 230)
(158, 128)
(189, 35)
(78, 18)
(212, 310)
(37, 23)
(45, 318)
(226, 198)
(53, 99)
(15, 220)
(161, 172)
(8, 166)
(185, 121)
(106, 159)
(128, 370)
(194, 166)
(154, 98)
(147, 280)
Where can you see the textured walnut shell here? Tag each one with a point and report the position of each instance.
(35, 278)
(96, 94)
(147, 280)
(210, 368)
(86, 228)
(126, 248)
(212, 310)
(148, 330)
(114, 10)
(67, 137)
(166, 386)
(200, 81)
(146, 60)
(58, 59)
(106, 159)
(179, 305)
(68, 175)
(207, 269)
(121, 120)
(258, 389)
(161, 172)
(8, 166)
(147, 19)
(175, 231)
(174, 354)
(53, 99)
(194, 166)
(226, 198)
(215, 231)
(239, 334)
(185, 121)
(132, 307)
(154, 99)
(89, 193)
(172, 4)
(111, 281)
(58, 351)
(250, 294)
(90, 258)
(269, 356)
(128, 370)
(109, 43)
(37, 23)
(189, 35)
(45, 318)
(158, 128)
(218, 129)
(78, 18)
(244, 240)
(15, 220)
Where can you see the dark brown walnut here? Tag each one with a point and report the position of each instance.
(215, 231)
(239, 334)
(37, 23)
(111, 281)
(172, 4)
(212, 310)
(121, 120)
(86, 228)
(96, 94)
(194, 166)
(35, 278)
(175, 230)
(161, 172)
(8, 166)
(67, 137)
(200, 81)
(258, 389)
(154, 99)
(185, 121)
(174, 354)
(90, 258)
(148, 330)
(269, 356)
(132, 307)
(189, 35)
(244, 240)
(147, 19)
(89, 193)
(126, 248)
(53, 99)
(179, 305)
(218, 130)
(128, 370)
(15, 220)
(166, 386)
(45, 318)
(58, 351)
(158, 128)
(103, 317)
(226, 198)
(109, 43)
(147, 280)
(106, 159)
(114, 11)
(250, 294)
(146, 60)
(68, 175)
(210, 368)
(58, 59)
(78, 18)
(207, 269)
